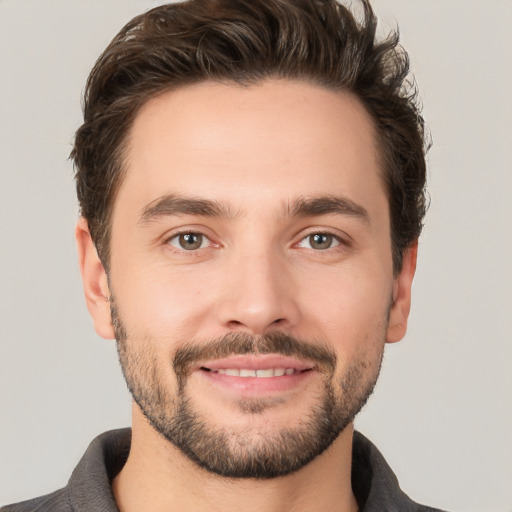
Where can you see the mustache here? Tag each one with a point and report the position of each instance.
(234, 344)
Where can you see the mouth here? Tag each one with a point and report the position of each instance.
(257, 374)
(262, 373)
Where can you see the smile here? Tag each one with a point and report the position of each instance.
(257, 375)
(260, 373)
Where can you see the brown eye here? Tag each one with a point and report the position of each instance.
(188, 241)
(319, 241)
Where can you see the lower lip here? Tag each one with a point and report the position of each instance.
(257, 385)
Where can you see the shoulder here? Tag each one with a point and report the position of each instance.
(375, 485)
(89, 488)
(55, 502)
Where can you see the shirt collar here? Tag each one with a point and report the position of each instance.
(89, 489)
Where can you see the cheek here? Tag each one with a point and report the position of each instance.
(161, 302)
(347, 302)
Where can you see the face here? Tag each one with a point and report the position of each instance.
(251, 283)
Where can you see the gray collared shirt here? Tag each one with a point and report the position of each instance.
(89, 488)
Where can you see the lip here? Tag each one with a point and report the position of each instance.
(257, 362)
(256, 386)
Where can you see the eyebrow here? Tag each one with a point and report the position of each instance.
(173, 204)
(324, 205)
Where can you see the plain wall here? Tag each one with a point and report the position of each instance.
(442, 412)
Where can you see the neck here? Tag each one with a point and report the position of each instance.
(157, 477)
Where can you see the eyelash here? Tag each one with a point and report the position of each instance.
(176, 235)
(341, 242)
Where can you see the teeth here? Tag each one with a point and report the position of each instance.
(270, 372)
(265, 373)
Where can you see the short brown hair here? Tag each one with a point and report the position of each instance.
(247, 41)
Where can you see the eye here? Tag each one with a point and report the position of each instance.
(189, 241)
(319, 241)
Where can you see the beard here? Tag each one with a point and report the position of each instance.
(250, 452)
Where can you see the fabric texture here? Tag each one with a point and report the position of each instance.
(89, 489)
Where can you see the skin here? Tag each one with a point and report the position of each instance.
(254, 150)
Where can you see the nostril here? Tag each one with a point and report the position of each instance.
(235, 324)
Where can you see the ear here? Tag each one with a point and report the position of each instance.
(401, 306)
(94, 280)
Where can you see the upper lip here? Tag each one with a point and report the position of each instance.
(257, 362)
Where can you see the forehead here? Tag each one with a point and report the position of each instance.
(233, 143)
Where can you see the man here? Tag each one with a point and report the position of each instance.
(251, 180)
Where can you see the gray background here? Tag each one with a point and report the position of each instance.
(442, 413)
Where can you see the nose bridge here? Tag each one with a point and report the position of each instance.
(258, 294)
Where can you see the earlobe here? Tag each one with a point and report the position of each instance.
(94, 280)
(400, 308)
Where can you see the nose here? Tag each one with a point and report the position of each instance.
(259, 295)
